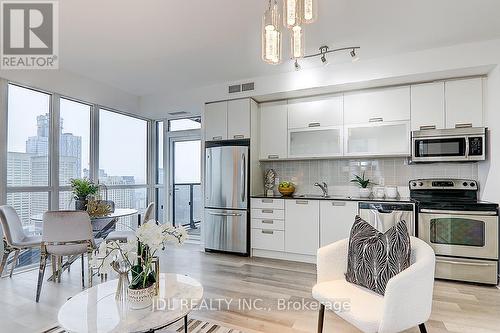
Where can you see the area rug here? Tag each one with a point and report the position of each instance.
(194, 326)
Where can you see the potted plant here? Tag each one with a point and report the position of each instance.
(138, 256)
(82, 188)
(364, 191)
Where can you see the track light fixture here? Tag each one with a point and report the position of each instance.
(324, 50)
(354, 56)
(297, 65)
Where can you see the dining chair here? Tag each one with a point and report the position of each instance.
(407, 301)
(123, 235)
(15, 240)
(65, 233)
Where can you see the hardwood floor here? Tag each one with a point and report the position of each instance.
(457, 307)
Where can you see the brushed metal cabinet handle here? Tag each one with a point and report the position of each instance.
(338, 203)
(267, 211)
(269, 232)
(239, 136)
(428, 127)
(217, 138)
(463, 125)
(267, 200)
(464, 263)
(314, 125)
(301, 202)
(273, 156)
(376, 120)
(268, 221)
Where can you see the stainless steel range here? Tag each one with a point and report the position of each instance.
(462, 230)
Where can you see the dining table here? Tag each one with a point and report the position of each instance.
(101, 226)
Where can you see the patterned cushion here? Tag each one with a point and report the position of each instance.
(374, 257)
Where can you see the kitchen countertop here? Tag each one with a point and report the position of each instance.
(332, 197)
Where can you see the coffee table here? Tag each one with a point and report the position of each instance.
(95, 310)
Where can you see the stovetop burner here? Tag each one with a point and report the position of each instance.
(448, 194)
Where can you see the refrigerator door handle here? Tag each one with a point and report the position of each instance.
(244, 177)
(225, 214)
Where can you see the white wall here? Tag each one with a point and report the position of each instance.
(76, 86)
(489, 171)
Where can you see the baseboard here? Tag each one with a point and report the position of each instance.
(284, 256)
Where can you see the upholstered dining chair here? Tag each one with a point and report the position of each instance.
(66, 233)
(408, 296)
(123, 235)
(15, 240)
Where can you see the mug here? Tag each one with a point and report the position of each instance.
(378, 192)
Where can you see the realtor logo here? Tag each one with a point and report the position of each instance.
(29, 34)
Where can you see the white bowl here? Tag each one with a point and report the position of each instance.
(391, 192)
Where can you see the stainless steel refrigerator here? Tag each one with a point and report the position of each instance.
(226, 198)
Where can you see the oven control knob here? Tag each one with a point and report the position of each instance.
(420, 184)
(465, 184)
(472, 184)
(413, 184)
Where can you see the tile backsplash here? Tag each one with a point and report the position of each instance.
(383, 171)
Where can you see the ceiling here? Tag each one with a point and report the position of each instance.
(163, 46)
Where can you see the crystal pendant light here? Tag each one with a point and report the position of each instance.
(271, 34)
(297, 42)
(292, 13)
(310, 11)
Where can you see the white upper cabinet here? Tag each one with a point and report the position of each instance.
(315, 142)
(315, 112)
(427, 106)
(336, 219)
(377, 139)
(238, 119)
(215, 121)
(377, 105)
(302, 226)
(273, 130)
(464, 103)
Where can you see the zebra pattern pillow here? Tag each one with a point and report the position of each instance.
(375, 257)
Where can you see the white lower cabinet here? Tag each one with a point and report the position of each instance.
(268, 239)
(302, 226)
(336, 219)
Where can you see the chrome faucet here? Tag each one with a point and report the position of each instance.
(324, 187)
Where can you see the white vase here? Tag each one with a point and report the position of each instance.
(140, 298)
(364, 192)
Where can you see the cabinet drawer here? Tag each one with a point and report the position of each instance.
(268, 213)
(268, 224)
(266, 239)
(267, 203)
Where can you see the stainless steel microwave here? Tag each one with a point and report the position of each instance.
(449, 145)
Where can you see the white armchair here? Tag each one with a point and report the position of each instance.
(408, 296)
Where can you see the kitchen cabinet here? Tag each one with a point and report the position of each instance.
(377, 105)
(302, 226)
(268, 224)
(316, 142)
(215, 121)
(273, 130)
(427, 106)
(464, 103)
(336, 219)
(315, 112)
(377, 139)
(238, 119)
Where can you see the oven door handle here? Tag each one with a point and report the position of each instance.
(457, 212)
(464, 263)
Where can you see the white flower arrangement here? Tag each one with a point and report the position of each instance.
(138, 253)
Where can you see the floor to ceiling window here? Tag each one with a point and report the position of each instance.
(160, 174)
(28, 143)
(74, 147)
(51, 140)
(185, 174)
(123, 161)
